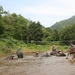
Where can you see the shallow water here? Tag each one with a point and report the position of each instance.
(30, 65)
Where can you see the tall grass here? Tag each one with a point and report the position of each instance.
(39, 48)
(11, 45)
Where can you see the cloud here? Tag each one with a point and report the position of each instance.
(7, 2)
(67, 2)
(46, 10)
(58, 7)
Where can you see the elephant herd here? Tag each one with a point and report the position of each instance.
(54, 52)
(59, 53)
(47, 54)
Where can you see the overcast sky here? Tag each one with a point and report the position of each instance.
(48, 12)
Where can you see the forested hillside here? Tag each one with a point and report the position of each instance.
(14, 27)
(62, 24)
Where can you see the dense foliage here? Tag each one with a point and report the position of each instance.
(17, 27)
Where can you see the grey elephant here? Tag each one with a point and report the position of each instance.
(46, 55)
(36, 54)
(53, 53)
(60, 53)
(11, 57)
(19, 53)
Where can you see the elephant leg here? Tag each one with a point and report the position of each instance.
(21, 55)
(18, 55)
(68, 55)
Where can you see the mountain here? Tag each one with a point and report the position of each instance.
(61, 24)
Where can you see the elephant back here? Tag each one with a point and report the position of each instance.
(19, 54)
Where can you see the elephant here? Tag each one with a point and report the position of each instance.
(11, 57)
(71, 51)
(57, 53)
(46, 55)
(19, 54)
(61, 54)
(36, 54)
(53, 53)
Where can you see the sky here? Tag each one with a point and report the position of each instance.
(47, 12)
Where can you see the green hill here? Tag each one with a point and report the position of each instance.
(60, 25)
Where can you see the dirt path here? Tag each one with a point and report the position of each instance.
(30, 65)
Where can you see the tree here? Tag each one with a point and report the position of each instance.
(47, 32)
(35, 31)
(55, 35)
(68, 33)
(20, 27)
(1, 24)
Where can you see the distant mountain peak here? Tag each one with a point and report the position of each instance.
(61, 24)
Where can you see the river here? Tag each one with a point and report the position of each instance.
(30, 65)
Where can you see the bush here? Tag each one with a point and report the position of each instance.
(9, 44)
